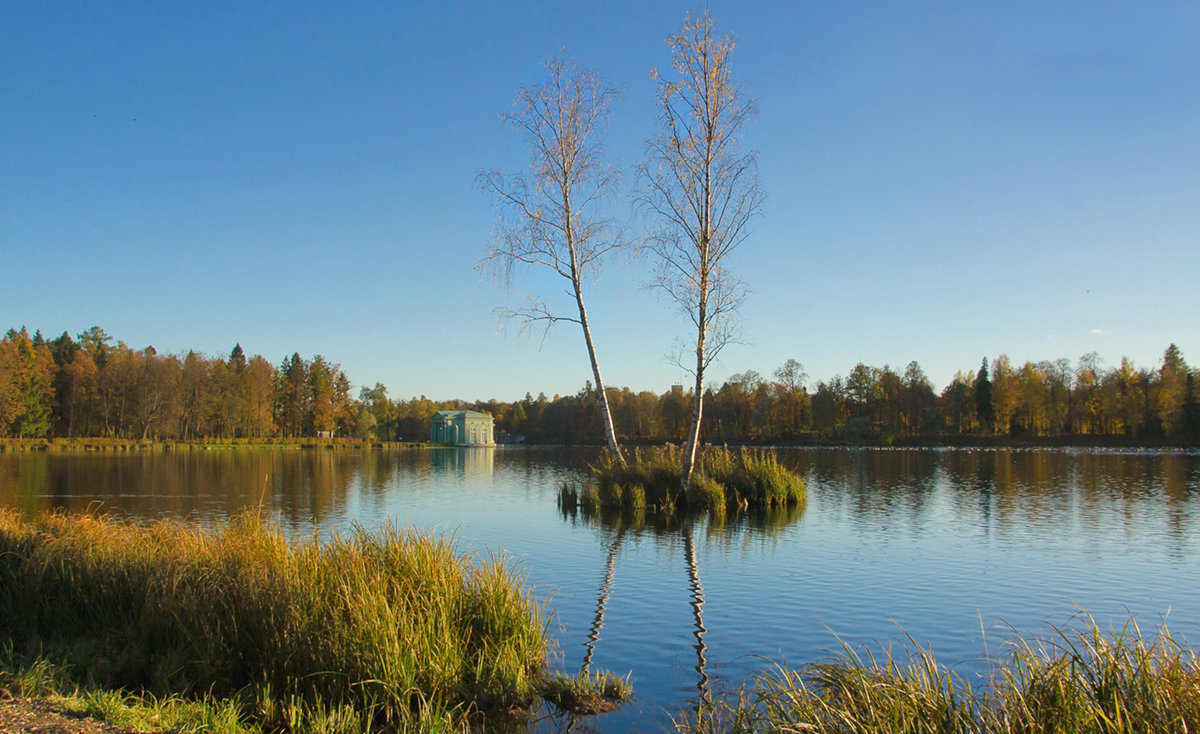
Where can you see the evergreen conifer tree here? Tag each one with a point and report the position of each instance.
(1191, 409)
(33, 420)
(985, 411)
(237, 359)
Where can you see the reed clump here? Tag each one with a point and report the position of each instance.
(384, 626)
(722, 478)
(1092, 681)
(1080, 681)
(587, 693)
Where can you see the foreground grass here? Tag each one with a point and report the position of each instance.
(583, 694)
(1079, 682)
(41, 679)
(722, 479)
(387, 628)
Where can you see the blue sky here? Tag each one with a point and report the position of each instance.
(945, 181)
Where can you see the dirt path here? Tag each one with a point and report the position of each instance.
(28, 715)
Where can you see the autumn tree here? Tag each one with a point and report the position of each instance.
(830, 405)
(117, 384)
(258, 416)
(862, 389)
(1004, 394)
(26, 386)
(918, 398)
(76, 390)
(889, 414)
(224, 396)
(642, 419)
(1062, 406)
(1089, 391)
(1032, 414)
(63, 350)
(159, 394)
(196, 398)
(703, 190)
(1127, 391)
(291, 395)
(1170, 390)
(94, 346)
(97, 343)
(550, 216)
(737, 407)
(412, 418)
(957, 402)
(322, 395)
(791, 398)
(674, 408)
(238, 393)
(345, 410)
(382, 422)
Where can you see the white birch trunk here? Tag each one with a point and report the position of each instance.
(610, 434)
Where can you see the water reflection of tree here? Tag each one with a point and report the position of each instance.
(602, 602)
(878, 484)
(25, 481)
(1014, 490)
(699, 630)
(722, 528)
(301, 486)
(696, 592)
(1182, 490)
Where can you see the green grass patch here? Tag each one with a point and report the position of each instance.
(39, 678)
(386, 627)
(722, 479)
(1077, 682)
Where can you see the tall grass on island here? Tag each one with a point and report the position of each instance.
(382, 628)
(1080, 681)
(722, 479)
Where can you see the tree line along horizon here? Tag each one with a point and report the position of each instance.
(89, 387)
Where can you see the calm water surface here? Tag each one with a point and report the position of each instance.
(954, 548)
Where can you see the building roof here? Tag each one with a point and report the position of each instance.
(467, 413)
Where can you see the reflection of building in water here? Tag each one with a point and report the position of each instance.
(474, 460)
(461, 427)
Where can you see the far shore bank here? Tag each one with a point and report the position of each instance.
(67, 445)
(73, 445)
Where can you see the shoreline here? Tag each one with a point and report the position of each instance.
(100, 445)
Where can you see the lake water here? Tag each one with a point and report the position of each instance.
(955, 548)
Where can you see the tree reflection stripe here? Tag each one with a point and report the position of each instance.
(602, 602)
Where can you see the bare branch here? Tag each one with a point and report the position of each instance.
(530, 317)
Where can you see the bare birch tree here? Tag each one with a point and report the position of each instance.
(550, 216)
(704, 191)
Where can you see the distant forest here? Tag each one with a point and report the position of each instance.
(89, 387)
